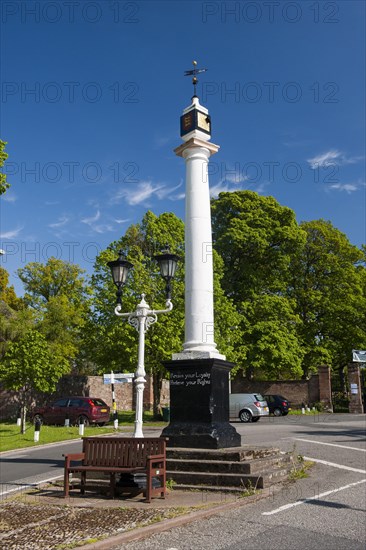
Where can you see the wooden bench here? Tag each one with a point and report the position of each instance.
(119, 455)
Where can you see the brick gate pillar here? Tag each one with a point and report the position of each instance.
(355, 397)
(325, 388)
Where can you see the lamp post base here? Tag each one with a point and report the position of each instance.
(199, 405)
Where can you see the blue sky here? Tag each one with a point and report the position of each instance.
(91, 98)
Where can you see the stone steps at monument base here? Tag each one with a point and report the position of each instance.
(235, 454)
(221, 480)
(228, 466)
(209, 489)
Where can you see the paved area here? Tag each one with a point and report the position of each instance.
(324, 511)
(41, 519)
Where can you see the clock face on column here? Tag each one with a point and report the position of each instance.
(203, 122)
(195, 120)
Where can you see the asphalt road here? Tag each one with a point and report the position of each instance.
(324, 511)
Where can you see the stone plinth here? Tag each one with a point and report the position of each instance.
(199, 405)
(355, 395)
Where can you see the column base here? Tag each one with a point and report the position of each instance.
(199, 405)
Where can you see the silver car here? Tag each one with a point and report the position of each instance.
(248, 407)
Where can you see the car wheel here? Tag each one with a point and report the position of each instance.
(245, 416)
(277, 412)
(255, 418)
(85, 418)
(37, 418)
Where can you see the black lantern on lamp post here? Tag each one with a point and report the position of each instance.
(168, 265)
(120, 269)
(142, 318)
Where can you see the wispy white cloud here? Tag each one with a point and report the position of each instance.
(103, 228)
(235, 178)
(223, 185)
(97, 227)
(178, 197)
(9, 197)
(117, 220)
(93, 219)
(220, 187)
(332, 156)
(143, 192)
(324, 159)
(11, 234)
(347, 187)
(167, 191)
(60, 223)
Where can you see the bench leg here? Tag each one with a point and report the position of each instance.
(163, 484)
(66, 483)
(112, 484)
(148, 487)
(82, 483)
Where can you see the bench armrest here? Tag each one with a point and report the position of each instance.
(73, 457)
(155, 458)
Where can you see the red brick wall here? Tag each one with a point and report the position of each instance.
(296, 391)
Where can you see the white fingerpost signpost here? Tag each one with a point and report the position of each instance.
(120, 378)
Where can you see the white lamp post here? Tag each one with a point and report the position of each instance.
(142, 318)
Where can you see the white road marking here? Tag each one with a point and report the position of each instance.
(305, 500)
(340, 466)
(330, 444)
(21, 486)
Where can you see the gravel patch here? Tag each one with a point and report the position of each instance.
(50, 527)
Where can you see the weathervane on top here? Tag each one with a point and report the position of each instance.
(193, 73)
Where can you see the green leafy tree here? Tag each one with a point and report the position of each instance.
(328, 286)
(15, 319)
(29, 364)
(256, 238)
(4, 185)
(7, 292)
(270, 338)
(59, 296)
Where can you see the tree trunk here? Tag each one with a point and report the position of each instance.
(249, 373)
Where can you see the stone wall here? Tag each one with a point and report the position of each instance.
(296, 391)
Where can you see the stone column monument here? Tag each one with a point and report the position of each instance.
(199, 375)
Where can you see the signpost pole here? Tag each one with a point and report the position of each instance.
(114, 404)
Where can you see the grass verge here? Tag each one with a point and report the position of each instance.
(11, 438)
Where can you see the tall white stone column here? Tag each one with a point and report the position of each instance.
(199, 307)
(199, 375)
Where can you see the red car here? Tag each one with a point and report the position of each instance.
(91, 410)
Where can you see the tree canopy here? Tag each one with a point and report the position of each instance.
(4, 185)
(287, 297)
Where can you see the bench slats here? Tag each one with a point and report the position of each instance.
(116, 454)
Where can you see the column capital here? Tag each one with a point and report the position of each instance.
(196, 143)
